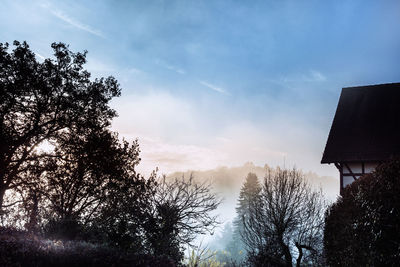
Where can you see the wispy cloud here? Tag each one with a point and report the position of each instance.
(312, 76)
(98, 66)
(135, 71)
(40, 56)
(73, 21)
(177, 70)
(214, 87)
(316, 76)
(170, 67)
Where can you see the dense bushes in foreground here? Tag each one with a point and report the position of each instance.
(19, 248)
(363, 227)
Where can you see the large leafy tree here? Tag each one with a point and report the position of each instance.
(363, 227)
(41, 100)
(84, 175)
(127, 202)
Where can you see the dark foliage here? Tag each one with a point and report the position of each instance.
(363, 227)
(90, 181)
(250, 197)
(39, 101)
(18, 248)
(126, 206)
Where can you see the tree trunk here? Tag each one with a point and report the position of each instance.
(32, 225)
(286, 252)
(300, 249)
(2, 193)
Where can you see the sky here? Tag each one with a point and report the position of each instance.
(220, 83)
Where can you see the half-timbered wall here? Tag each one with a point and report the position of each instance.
(349, 172)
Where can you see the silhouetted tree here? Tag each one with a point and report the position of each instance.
(39, 101)
(363, 227)
(79, 175)
(127, 205)
(287, 225)
(181, 210)
(250, 197)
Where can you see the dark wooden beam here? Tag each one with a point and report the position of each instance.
(351, 172)
(354, 173)
(339, 166)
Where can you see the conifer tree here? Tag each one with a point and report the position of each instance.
(249, 199)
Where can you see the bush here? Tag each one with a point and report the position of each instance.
(363, 226)
(18, 248)
(63, 229)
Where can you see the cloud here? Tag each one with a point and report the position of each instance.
(316, 76)
(307, 77)
(133, 70)
(170, 67)
(169, 157)
(177, 70)
(99, 67)
(155, 113)
(74, 22)
(40, 56)
(175, 136)
(214, 87)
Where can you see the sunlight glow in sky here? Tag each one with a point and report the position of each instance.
(210, 83)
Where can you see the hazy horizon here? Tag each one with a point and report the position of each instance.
(228, 181)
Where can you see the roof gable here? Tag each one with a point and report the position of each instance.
(366, 126)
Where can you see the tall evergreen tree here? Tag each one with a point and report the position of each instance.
(249, 199)
(249, 196)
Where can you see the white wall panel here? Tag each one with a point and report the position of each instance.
(370, 166)
(347, 180)
(355, 168)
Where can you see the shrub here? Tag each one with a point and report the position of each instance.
(363, 226)
(19, 248)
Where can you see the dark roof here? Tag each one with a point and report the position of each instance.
(366, 126)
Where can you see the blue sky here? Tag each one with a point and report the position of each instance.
(210, 83)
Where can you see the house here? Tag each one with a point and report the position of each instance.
(365, 130)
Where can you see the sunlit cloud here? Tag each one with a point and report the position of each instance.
(174, 134)
(170, 157)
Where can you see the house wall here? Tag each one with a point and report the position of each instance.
(347, 180)
(349, 172)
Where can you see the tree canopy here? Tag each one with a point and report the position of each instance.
(41, 100)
